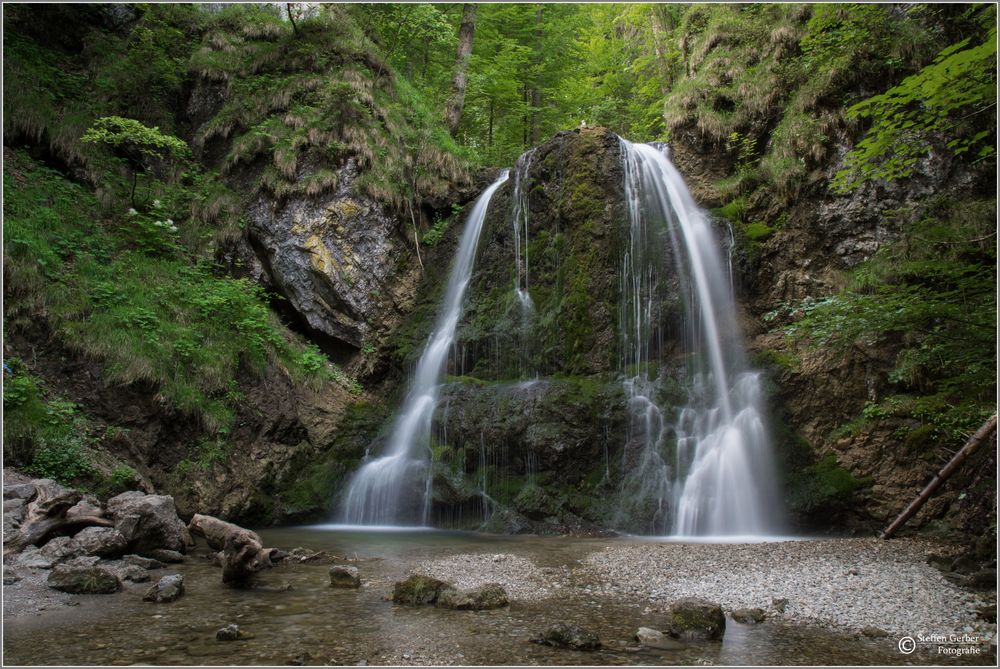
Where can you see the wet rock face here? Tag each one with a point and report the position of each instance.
(577, 222)
(545, 438)
(336, 258)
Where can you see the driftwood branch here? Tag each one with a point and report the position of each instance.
(971, 446)
(45, 515)
(243, 553)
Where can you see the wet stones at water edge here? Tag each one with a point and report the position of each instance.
(83, 579)
(344, 577)
(419, 590)
(651, 638)
(697, 620)
(484, 598)
(232, 632)
(143, 562)
(167, 589)
(572, 637)
(749, 616)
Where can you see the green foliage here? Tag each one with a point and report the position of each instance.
(120, 292)
(931, 297)
(45, 435)
(436, 232)
(824, 484)
(947, 98)
(118, 133)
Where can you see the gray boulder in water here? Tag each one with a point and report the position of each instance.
(697, 619)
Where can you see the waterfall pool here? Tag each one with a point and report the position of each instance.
(561, 579)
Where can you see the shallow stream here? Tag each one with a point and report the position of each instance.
(313, 624)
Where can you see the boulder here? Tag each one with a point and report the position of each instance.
(489, 596)
(130, 572)
(231, 632)
(344, 577)
(143, 562)
(60, 549)
(148, 522)
(697, 619)
(565, 635)
(417, 590)
(81, 579)
(167, 589)
(165, 555)
(651, 638)
(749, 616)
(102, 541)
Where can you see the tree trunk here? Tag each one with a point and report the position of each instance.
(489, 134)
(971, 446)
(535, 97)
(45, 514)
(453, 109)
(658, 40)
(291, 17)
(243, 553)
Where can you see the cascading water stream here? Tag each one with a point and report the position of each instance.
(394, 489)
(723, 480)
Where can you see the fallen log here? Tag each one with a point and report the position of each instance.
(243, 553)
(45, 516)
(971, 446)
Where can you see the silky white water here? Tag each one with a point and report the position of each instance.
(394, 489)
(720, 480)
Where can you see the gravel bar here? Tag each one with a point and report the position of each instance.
(848, 584)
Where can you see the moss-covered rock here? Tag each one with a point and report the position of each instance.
(697, 619)
(484, 598)
(417, 590)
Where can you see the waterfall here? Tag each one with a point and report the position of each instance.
(519, 219)
(722, 479)
(395, 488)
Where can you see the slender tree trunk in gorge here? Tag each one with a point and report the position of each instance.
(657, 27)
(453, 109)
(291, 17)
(535, 99)
(489, 134)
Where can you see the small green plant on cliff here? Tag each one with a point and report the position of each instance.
(140, 148)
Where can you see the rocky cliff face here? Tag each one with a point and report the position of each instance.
(340, 260)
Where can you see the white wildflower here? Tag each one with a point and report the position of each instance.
(156, 204)
(158, 224)
(132, 212)
(173, 228)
